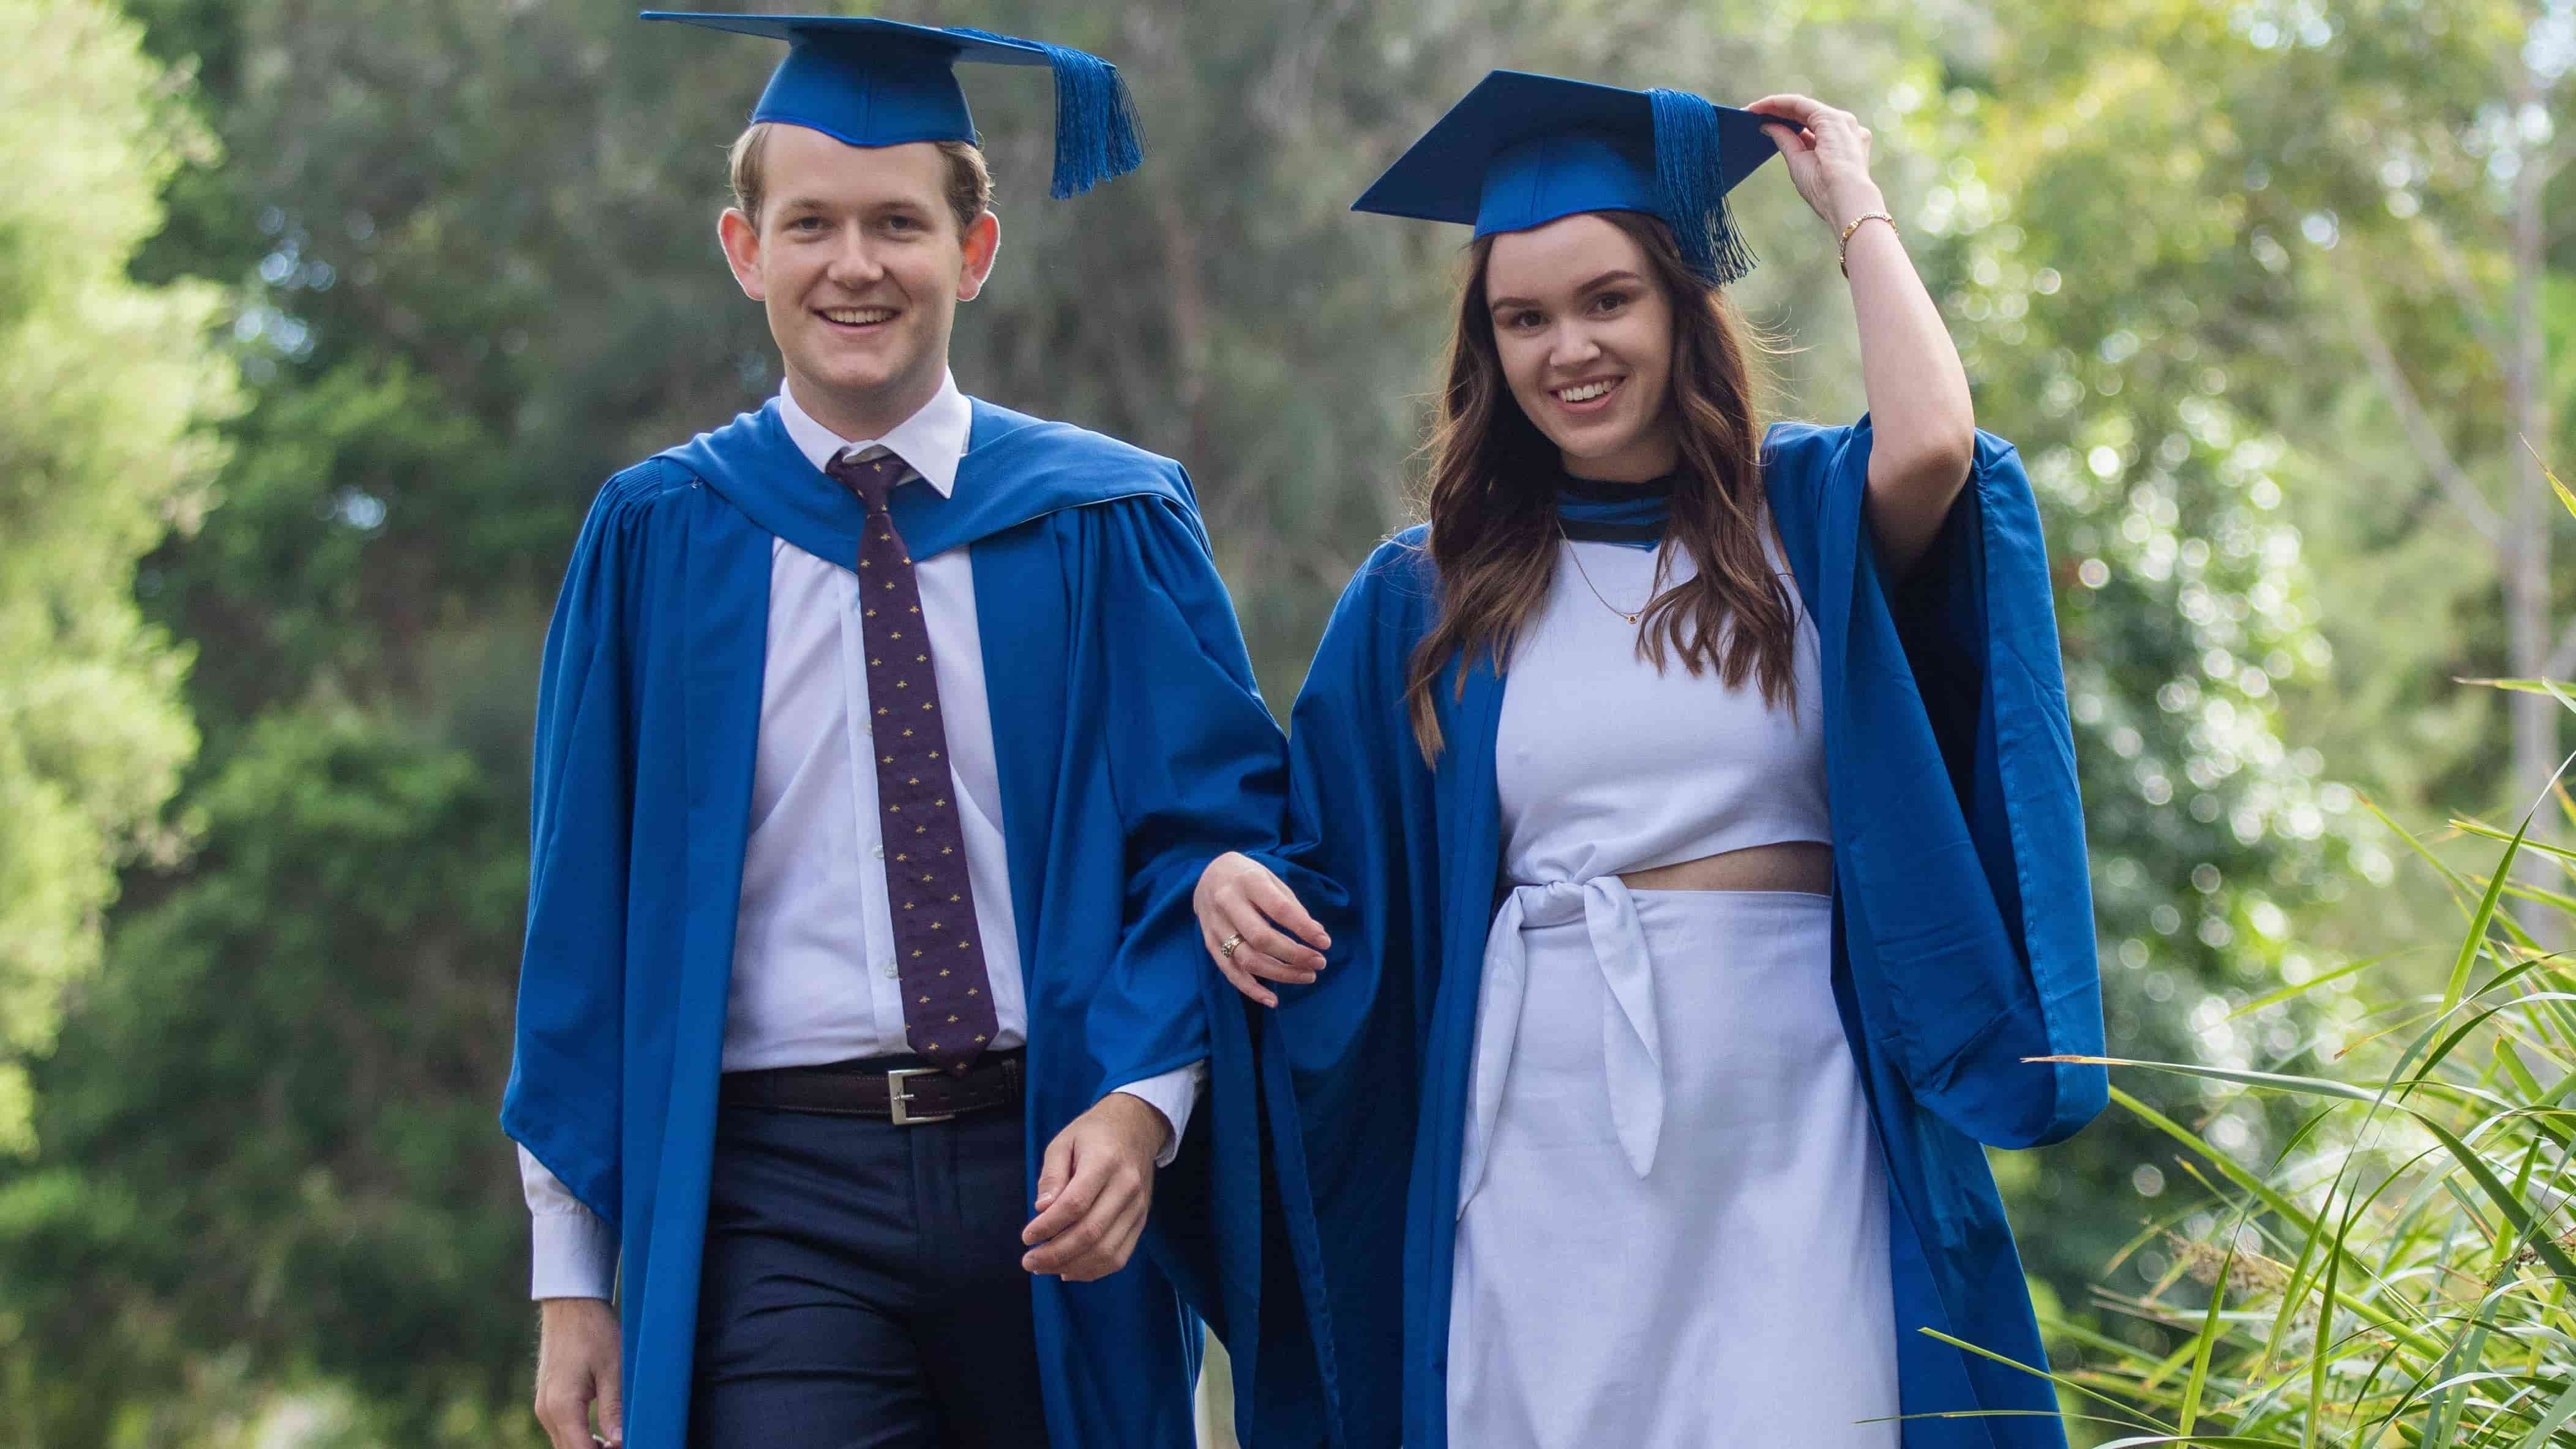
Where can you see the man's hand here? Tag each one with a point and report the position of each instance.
(577, 1367)
(1094, 1189)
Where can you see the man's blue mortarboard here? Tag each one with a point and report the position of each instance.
(1522, 150)
(870, 82)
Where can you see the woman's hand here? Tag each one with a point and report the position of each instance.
(1240, 902)
(1926, 428)
(1827, 152)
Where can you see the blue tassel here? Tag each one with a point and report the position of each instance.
(1688, 182)
(1095, 118)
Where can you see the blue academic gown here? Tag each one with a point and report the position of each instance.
(1132, 745)
(1963, 940)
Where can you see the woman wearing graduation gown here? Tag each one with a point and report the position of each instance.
(1693, 813)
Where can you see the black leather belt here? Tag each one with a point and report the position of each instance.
(906, 1091)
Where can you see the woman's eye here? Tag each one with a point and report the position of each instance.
(1609, 301)
(1526, 319)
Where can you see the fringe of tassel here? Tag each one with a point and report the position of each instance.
(1096, 134)
(1688, 178)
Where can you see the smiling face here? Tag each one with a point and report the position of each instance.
(861, 262)
(1585, 337)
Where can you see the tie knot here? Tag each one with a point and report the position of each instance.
(869, 472)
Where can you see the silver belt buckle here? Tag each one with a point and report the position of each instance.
(900, 1100)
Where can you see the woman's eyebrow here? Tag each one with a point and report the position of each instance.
(1620, 274)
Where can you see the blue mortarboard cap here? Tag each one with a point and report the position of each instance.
(872, 82)
(1522, 150)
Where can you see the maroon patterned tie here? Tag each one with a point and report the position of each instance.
(947, 996)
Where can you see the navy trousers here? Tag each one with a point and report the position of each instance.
(862, 1287)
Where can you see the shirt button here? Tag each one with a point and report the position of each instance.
(888, 968)
(877, 850)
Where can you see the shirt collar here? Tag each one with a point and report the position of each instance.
(930, 441)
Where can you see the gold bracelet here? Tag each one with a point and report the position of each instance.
(1842, 248)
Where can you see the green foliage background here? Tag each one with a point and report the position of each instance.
(100, 381)
(321, 323)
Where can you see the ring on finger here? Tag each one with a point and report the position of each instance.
(1230, 945)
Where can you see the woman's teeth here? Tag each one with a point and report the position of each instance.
(859, 316)
(1586, 393)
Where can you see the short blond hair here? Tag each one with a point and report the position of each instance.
(970, 181)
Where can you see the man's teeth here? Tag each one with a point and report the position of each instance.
(858, 316)
(1585, 393)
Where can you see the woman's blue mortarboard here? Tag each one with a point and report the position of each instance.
(1522, 150)
(869, 82)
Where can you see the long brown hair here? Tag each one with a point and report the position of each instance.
(1492, 500)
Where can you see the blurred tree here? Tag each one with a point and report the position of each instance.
(100, 380)
(270, 1163)
(276, 1117)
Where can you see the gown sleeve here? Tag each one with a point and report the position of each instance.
(1959, 831)
(1361, 852)
(562, 1103)
(1197, 765)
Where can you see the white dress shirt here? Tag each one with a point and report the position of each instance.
(814, 977)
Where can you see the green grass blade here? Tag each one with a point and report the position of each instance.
(2548, 687)
(2136, 1419)
(2208, 1339)
(2282, 1207)
(2476, 940)
(2336, 1252)
(2550, 1422)
(2488, 832)
(2275, 998)
(2422, 851)
(2512, 1064)
(2566, 499)
(2279, 1081)
(2514, 1209)
(2211, 1440)
(2538, 896)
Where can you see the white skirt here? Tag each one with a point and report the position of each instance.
(1672, 1227)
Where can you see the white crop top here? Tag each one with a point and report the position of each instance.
(1605, 765)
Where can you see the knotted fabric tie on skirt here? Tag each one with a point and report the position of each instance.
(1631, 1049)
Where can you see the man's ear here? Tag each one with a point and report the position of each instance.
(741, 243)
(983, 242)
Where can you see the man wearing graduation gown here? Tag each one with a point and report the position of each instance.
(882, 735)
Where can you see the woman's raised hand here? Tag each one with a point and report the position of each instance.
(1246, 915)
(1827, 152)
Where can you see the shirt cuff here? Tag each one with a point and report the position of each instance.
(1173, 1094)
(571, 1255)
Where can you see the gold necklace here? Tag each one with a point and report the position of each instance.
(1577, 555)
